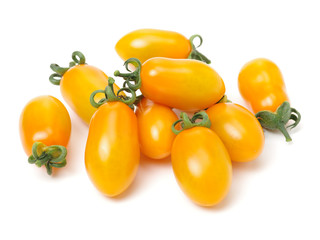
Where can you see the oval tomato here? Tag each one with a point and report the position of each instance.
(201, 165)
(186, 84)
(154, 127)
(261, 85)
(144, 44)
(148, 43)
(238, 129)
(77, 83)
(45, 128)
(112, 152)
(200, 161)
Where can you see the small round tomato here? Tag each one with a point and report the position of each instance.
(144, 44)
(45, 128)
(112, 151)
(154, 127)
(261, 85)
(77, 83)
(185, 84)
(238, 129)
(201, 165)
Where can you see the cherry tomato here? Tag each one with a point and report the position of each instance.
(112, 152)
(238, 129)
(77, 83)
(185, 84)
(201, 165)
(148, 43)
(154, 127)
(261, 85)
(44, 122)
(44, 119)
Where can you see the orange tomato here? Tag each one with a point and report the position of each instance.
(144, 44)
(154, 127)
(112, 151)
(45, 128)
(261, 85)
(186, 84)
(76, 85)
(238, 129)
(148, 43)
(44, 119)
(201, 165)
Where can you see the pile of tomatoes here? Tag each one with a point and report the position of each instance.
(172, 76)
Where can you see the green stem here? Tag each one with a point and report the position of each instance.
(224, 99)
(55, 78)
(78, 57)
(50, 156)
(284, 131)
(187, 123)
(195, 54)
(132, 76)
(110, 96)
(279, 119)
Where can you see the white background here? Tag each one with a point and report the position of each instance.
(274, 197)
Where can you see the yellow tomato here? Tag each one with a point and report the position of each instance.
(154, 127)
(261, 85)
(76, 85)
(186, 84)
(45, 128)
(144, 44)
(238, 129)
(112, 152)
(44, 119)
(201, 165)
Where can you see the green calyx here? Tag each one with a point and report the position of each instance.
(279, 119)
(187, 123)
(110, 96)
(49, 156)
(132, 80)
(77, 59)
(195, 54)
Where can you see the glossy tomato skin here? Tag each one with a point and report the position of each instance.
(44, 119)
(112, 151)
(261, 85)
(78, 83)
(186, 84)
(201, 165)
(154, 127)
(144, 44)
(238, 129)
